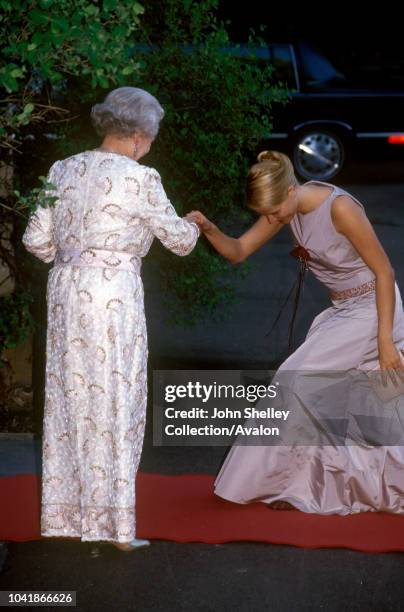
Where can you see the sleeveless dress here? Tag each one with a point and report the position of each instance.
(327, 479)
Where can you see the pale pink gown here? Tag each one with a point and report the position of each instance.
(327, 479)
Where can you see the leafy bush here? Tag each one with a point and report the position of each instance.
(58, 58)
(15, 321)
(53, 56)
(218, 110)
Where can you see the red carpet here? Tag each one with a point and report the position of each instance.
(184, 509)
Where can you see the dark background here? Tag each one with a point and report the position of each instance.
(367, 37)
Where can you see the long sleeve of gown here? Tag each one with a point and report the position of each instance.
(38, 237)
(159, 215)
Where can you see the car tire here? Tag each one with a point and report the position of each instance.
(318, 154)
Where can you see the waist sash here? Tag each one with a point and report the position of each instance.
(354, 291)
(94, 258)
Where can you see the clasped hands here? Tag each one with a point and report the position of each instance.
(199, 218)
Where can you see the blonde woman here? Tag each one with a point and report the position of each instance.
(109, 208)
(363, 328)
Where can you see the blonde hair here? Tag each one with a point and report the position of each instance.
(268, 180)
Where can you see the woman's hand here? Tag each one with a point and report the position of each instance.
(390, 359)
(235, 250)
(203, 222)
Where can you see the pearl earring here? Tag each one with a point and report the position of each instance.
(134, 148)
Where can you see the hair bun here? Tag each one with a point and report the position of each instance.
(269, 155)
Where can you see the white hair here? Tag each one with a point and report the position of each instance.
(127, 110)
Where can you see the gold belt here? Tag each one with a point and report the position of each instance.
(354, 291)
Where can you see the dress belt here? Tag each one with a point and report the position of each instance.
(94, 257)
(348, 293)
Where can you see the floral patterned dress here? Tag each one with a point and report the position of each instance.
(108, 211)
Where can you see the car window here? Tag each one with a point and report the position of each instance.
(279, 56)
(317, 69)
(283, 62)
(258, 56)
(247, 52)
(263, 57)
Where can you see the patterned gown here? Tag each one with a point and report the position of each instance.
(354, 475)
(108, 211)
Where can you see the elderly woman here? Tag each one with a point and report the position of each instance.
(108, 210)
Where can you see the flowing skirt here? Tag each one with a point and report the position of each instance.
(327, 479)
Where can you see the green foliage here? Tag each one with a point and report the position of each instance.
(49, 45)
(16, 322)
(53, 56)
(55, 38)
(218, 109)
(38, 196)
(58, 58)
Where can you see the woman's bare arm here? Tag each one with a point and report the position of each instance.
(349, 219)
(236, 250)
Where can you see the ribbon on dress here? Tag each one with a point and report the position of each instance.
(303, 256)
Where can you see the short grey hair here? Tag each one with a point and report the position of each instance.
(127, 110)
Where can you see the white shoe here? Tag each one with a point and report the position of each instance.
(133, 545)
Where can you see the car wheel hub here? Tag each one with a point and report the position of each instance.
(318, 155)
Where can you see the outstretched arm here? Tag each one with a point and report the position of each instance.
(177, 234)
(349, 219)
(236, 249)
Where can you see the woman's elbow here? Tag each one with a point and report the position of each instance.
(45, 252)
(236, 259)
(182, 249)
(237, 255)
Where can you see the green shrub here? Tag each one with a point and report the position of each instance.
(58, 58)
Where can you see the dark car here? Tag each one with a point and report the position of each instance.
(331, 117)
